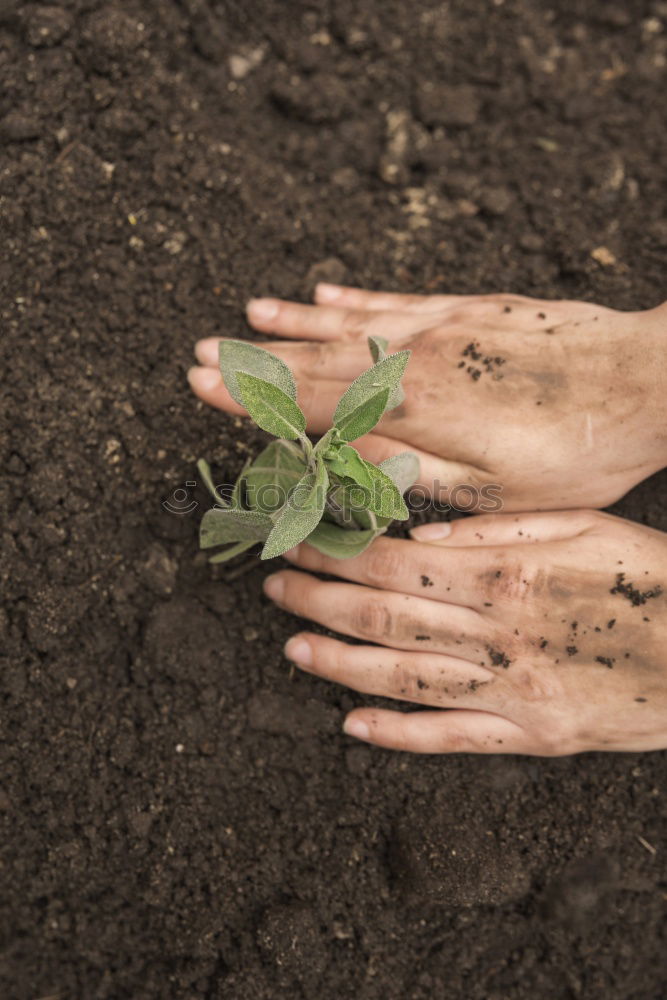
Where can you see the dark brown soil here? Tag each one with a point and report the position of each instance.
(181, 817)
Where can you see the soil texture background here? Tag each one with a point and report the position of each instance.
(179, 816)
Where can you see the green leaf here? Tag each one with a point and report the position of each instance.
(346, 503)
(238, 492)
(221, 526)
(204, 470)
(240, 356)
(378, 348)
(300, 515)
(368, 521)
(403, 470)
(346, 462)
(385, 499)
(358, 504)
(272, 475)
(385, 375)
(270, 407)
(233, 550)
(364, 418)
(328, 441)
(339, 543)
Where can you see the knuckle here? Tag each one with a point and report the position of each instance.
(372, 618)
(534, 685)
(505, 580)
(354, 324)
(315, 357)
(458, 316)
(455, 740)
(306, 392)
(515, 581)
(554, 740)
(383, 563)
(406, 684)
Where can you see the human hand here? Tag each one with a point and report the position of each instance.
(540, 634)
(561, 404)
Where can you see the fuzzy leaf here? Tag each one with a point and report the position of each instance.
(221, 526)
(233, 550)
(300, 515)
(339, 543)
(347, 507)
(364, 418)
(270, 407)
(378, 348)
(238, 493)
(402, 469)
(240, 356)
(384, 498)
(328, 441)
(346, 462)
(272, 475)
(204, 470)
(368, 521)
(386, 374)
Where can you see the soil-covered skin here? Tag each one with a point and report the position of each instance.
(180, 814)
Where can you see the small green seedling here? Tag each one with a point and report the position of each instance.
(325, 493)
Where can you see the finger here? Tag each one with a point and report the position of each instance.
(331, 360)
(318, 400)
(359, 298)
(424, 678)
(208, 385)
(438, 732)
(291, 319)
(396, 564)
(506, 529)
(463, 486)
(385, 617)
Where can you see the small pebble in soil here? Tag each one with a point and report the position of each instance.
(19, 126)
(47, 26)
(242, 63)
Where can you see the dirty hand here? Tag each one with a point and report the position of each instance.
(561, 404)
(539, 633)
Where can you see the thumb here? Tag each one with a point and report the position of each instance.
(443, 481)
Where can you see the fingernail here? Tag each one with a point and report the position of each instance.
(355, 727)
(431, 532)
(203, 379)
(292, 554)
(274, 586)
(206, 351)
(262, 310)
(298, 650)
(324, 292)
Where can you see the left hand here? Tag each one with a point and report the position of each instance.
(557, 404)
(539, 633)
